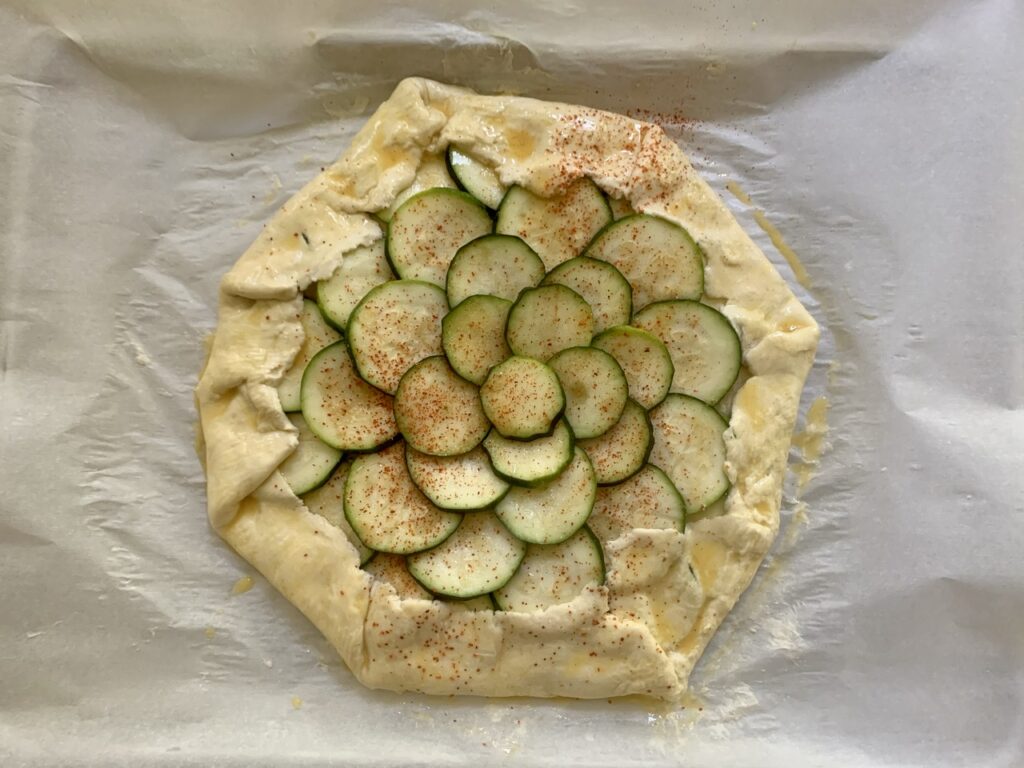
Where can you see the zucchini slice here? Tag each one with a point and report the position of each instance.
(557, 228)
(312, 461)
(554, 511)
(432, 173)
(396, 325)
(473, 336)
(522, 397)
(496, 265)
(623, 449)
(458, 483)
(316, 334)
(644, 359)
(528, 462)
(475, 560)
(705, 349)
(360, 270)
(387, 510)
(621, 207)
(658, 258)
(601, 285)
(689, 444)
(646, 500)
(342, 409)
(393, 570)
(553, 574)
(476, 178)
(429, 228)
(716, 509)
(481, 603)
(438, 412)
(328, 501)
(595, 389)
(548, 319)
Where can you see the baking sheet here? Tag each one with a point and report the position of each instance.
(143, 144)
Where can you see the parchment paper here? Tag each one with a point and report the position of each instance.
(142, 144)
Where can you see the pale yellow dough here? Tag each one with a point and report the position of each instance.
(644, 630)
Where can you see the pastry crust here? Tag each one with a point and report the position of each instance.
(666, 592)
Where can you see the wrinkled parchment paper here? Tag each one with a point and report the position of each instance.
(142, 144)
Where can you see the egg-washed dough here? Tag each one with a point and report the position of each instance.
(666, 592)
